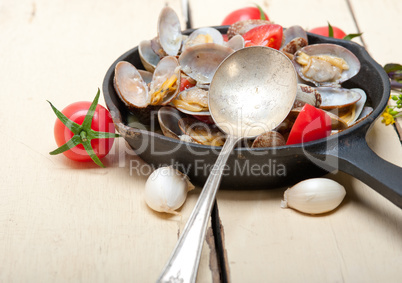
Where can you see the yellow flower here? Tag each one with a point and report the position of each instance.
(388, 119)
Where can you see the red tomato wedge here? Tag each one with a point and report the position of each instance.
(311, 124)
(185, 83)
(265, 35)
(243, 14)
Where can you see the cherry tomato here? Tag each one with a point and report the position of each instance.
(243, 14)
(265, 35)
(338, 33)
(101, 122)
(311, 124)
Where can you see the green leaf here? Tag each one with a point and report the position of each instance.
(72, 126)
(392, 67)
(88, 147)
(352, 35)
(74, 141)
(262, 14)
(330, 30)
(86, 125)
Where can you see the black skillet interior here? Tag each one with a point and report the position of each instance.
(258, 168)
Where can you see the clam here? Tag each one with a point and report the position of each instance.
(236, 42)
(157, 47)
(130, 86)
(352, 115)
(326, 64)
(202, 133)
(201, 61)
(133, 90)
(147, 55)
(295, 39)
(269, 139)
(307, 94)
(169, 31)
(165, 84)
(169, 118)
(338, 99)
(203, 35)
(241, 27)
(193, 100)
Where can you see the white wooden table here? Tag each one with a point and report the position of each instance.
(66, 222)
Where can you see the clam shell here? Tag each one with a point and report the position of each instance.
(269, 139)
(147, 55)
(169, 31)
(236, 42)
(241, 27)
(201, 61)
(331, 50)
(201, 132)
(166, 69)
(295, 39)
(203, 35)
(130, 86)
(307, 94)
(146, 76)
(168, 118)
(195, 101)
(354, 115)
(337, 98)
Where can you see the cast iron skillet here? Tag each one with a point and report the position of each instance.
(268, 168)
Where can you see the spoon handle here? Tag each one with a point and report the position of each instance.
(183, 263)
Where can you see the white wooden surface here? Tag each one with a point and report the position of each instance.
(66, 222)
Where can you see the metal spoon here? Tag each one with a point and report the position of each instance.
(252, 92)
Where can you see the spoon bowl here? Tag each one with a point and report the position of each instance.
(252, 92)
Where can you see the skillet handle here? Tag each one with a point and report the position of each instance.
(356, 158)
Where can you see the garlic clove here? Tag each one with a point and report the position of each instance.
(314, 196)
(166, 189)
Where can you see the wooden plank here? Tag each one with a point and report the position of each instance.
(61, 221)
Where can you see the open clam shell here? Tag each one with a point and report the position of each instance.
(295, 39)
(236, 42)
(169, 31)
(341, 99)
(203, 35)
(165, 84)
(192, 100)
(353, 115)
(147, 56)
(169, 118)
(201, 61)
(326, 64)
(130, 86)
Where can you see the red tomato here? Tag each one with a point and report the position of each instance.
(338, 33)
(265, 35)
(102, 122)
(243, 14)
(185, 83)
(311, 124)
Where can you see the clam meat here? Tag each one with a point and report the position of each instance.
(194, 99)
(326, 64)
